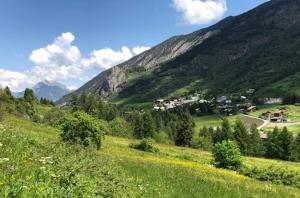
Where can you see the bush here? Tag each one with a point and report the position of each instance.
(120, 127)
(82, 128)
(227, 155)
(162, 137)
(277, 175)
(145, 145)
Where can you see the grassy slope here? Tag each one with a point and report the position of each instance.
(174, 172)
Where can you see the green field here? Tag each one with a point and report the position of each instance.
(117, 170)
(292, 112)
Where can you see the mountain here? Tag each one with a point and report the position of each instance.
(49, 90)
(259, 49)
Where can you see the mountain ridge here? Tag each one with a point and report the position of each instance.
(47, 89)
(241, 52)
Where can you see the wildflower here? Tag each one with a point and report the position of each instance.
(11, 167)
(1, 144)
(46, 160)
(4, 160)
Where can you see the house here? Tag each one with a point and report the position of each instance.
(251, 108)
(277, 117)
(266, 115)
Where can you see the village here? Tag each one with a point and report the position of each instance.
(226, 105)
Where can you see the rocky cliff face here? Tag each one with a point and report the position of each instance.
(111, 81)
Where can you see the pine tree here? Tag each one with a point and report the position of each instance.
(241, 136)
(148, 125)
(273, 144)
(223, 133)
(137, 123)
(185, 130)
(296, 149)
(29, 95)
(8, 92)
(256, 147)
(286, 140)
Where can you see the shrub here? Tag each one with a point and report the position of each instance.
(82, 128)
(120, 127)
(162, 137)
(278, 175)
(145, 145)
(227, 155)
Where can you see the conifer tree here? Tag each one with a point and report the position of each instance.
(241, 136)
(148, 125)
(286, 140)
(256, 147)
(296, 149)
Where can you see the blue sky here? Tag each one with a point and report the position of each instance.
(97, 34)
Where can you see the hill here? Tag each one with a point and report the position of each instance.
(258, 49)
(49, 90)
(33, 152)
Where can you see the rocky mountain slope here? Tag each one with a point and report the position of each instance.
(49, 90)
(258, 49)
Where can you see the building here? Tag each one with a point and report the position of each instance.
(277, 117)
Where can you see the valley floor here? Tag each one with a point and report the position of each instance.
(173, 172)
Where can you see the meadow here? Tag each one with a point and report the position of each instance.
(35, 163)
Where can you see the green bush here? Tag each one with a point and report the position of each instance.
(82, 128)
(146, 145)
(227, 155)
(120, 127)
(278, 175)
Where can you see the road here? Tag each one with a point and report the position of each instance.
(249, 120)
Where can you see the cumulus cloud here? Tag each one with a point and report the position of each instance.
(62, 60)
(14, 80)
(140, 49)
(197, 12)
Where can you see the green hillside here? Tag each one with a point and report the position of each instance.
(117, 170)
(258, 49)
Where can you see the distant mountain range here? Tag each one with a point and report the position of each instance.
(49, 90)
(258, 50)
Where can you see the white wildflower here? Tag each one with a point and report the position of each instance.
(1, 144)
(46, 160)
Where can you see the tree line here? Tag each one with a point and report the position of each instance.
(279, 144)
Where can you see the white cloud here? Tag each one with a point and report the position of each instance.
(140, 49)
(14, 80)
(61, 60)
(197, 12)
(106, 58)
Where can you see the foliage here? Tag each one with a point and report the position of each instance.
(146, 145)
(296, 149)
(277, 175)
(185, 130)
(45, 101)
(36, 167)
(279, 144)
(227, 155)
(82, 128)
(241, 136)
(29, 95)
(223, 133)
(204, 139)
(120, 127)
(89, 104)
(256, 147)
